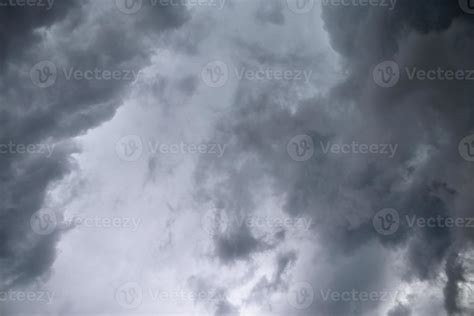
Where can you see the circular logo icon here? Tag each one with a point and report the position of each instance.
(129, 6)
(129, 295)
(215, 222)
(43, 74)
(300, 6)
(215, 74)
(466, 148)
(386, 74)
(300, 295)
(43, 222)
(386, 222)
(467, 6)
(300, 148)
(129, 148)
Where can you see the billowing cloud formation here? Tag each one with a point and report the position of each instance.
(314, 168)
(81, 44)
(422, 120)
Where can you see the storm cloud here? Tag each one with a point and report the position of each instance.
(344, 186)
(70, 35)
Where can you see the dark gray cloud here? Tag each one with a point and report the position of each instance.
(238, 244)
(455, 273)
(72, 35)
(407, 35)
(18, 25)
(342, 251)
(400, 310)
(264, 287)
(425, 119)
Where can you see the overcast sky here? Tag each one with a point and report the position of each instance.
(236, 157)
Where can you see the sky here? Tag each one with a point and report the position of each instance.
(236, 157)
